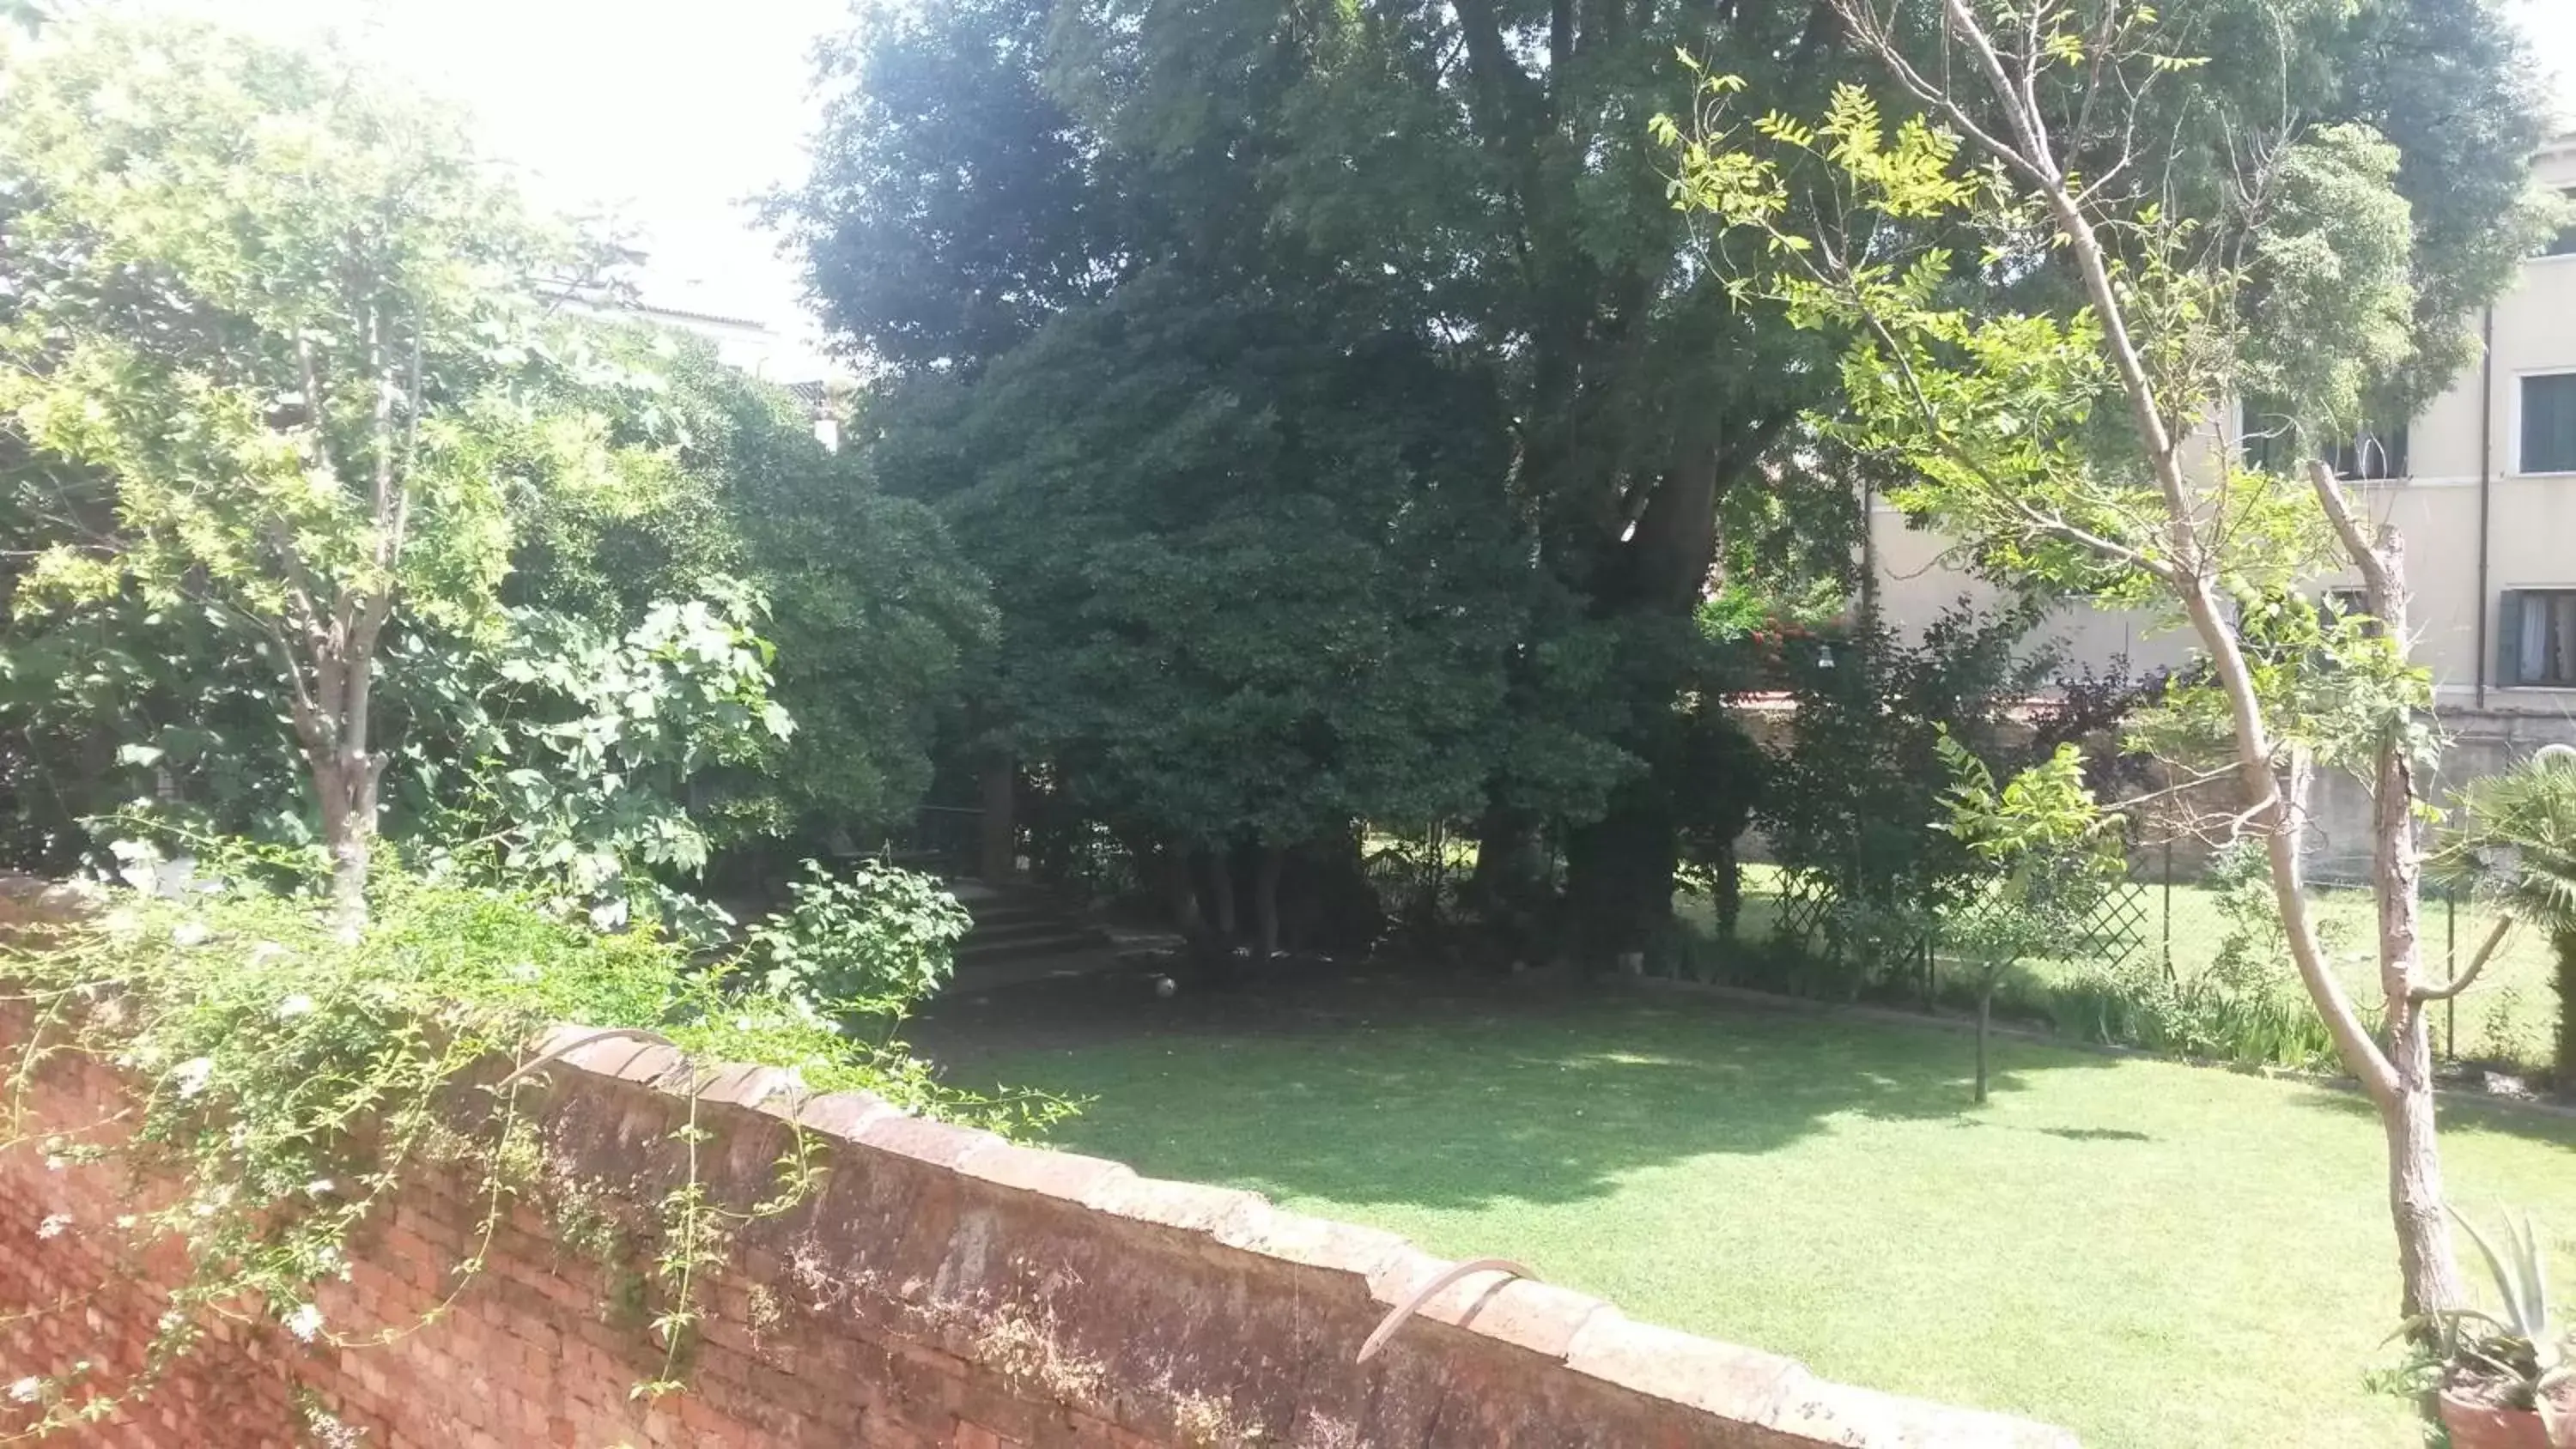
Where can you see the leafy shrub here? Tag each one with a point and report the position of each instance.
(867, 947)
(289, 1078)
(1854, 802)
(2138, 1005)
(2508, 1034)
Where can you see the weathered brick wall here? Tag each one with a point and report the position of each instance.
(939, 1287)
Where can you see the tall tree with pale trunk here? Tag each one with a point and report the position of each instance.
(278, 324)
(2050, 329)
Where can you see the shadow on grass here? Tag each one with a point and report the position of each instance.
(2096, 1134)
(1459, 1102)
(2460, 1111)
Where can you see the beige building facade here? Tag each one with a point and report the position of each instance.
(2483, 487)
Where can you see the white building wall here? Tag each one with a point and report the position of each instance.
(2466, 494)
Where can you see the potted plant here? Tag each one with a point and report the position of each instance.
(2504, 1376)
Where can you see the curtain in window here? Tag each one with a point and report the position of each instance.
(2535, 642)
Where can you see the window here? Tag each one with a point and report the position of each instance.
(2375, 453)
(2536, 640)
(2563, 244)
(2548, 424)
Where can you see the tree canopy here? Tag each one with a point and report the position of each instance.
(2156, 309)
(1473, 187)
(340, 492)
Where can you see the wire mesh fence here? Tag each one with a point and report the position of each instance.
(2170, 918)
(2175, 947)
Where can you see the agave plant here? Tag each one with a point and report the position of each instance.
(2517, 1352)
(2515, 843)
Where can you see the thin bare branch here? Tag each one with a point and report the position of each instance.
(315, 415)
(1878, 37)
(2466, 979)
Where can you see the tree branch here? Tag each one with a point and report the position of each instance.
(381, 429)
(314, 413)
(2338, 509)
(2468, 978)
(311, 727)
(395, 479)
(1878, 37)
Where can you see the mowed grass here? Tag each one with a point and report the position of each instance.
(2148, 1253)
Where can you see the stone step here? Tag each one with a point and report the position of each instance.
(1028, 928)
(1021, 929)
(1068, 942)
(974, 978)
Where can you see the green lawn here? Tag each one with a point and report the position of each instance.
(2150, 1254)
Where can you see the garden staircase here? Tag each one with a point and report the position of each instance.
(1023, 934)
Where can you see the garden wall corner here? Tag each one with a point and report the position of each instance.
(937, 1286)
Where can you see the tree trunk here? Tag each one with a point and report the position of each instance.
(2430, 1269)
(1221, 891)
(2564, 943)
(1181, 889)
(344, 777)
(1619, 873)
(1509, 887)
(1726, 890)
(348, 830)
(998, 847)
(1265, 901)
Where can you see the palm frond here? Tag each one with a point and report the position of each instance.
(2514, 842)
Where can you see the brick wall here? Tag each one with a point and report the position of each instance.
(941, 1287)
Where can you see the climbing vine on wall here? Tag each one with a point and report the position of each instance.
(285, 1079)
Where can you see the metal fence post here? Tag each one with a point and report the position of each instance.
(2168, 940)
(2451, 959)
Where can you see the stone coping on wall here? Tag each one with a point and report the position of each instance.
(1051, 1287)
(1736, 1389)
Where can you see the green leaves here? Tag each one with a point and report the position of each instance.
(2514, 840)
(2333, 252)
(872, 609)
(860, 952)
(2046, 847)
(2018, 428)
(593, 744)
(249, 346)
(289, 400)
(1256, 579)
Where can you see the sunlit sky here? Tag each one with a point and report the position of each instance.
(670, 117)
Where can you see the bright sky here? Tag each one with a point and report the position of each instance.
(2551, 24)
(669, 116)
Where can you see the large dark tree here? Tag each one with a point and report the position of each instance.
(1476, 175)
(1261, 580)
(1476, 183)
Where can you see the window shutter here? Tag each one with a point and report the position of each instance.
(2509, 638)
(2548, 424)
